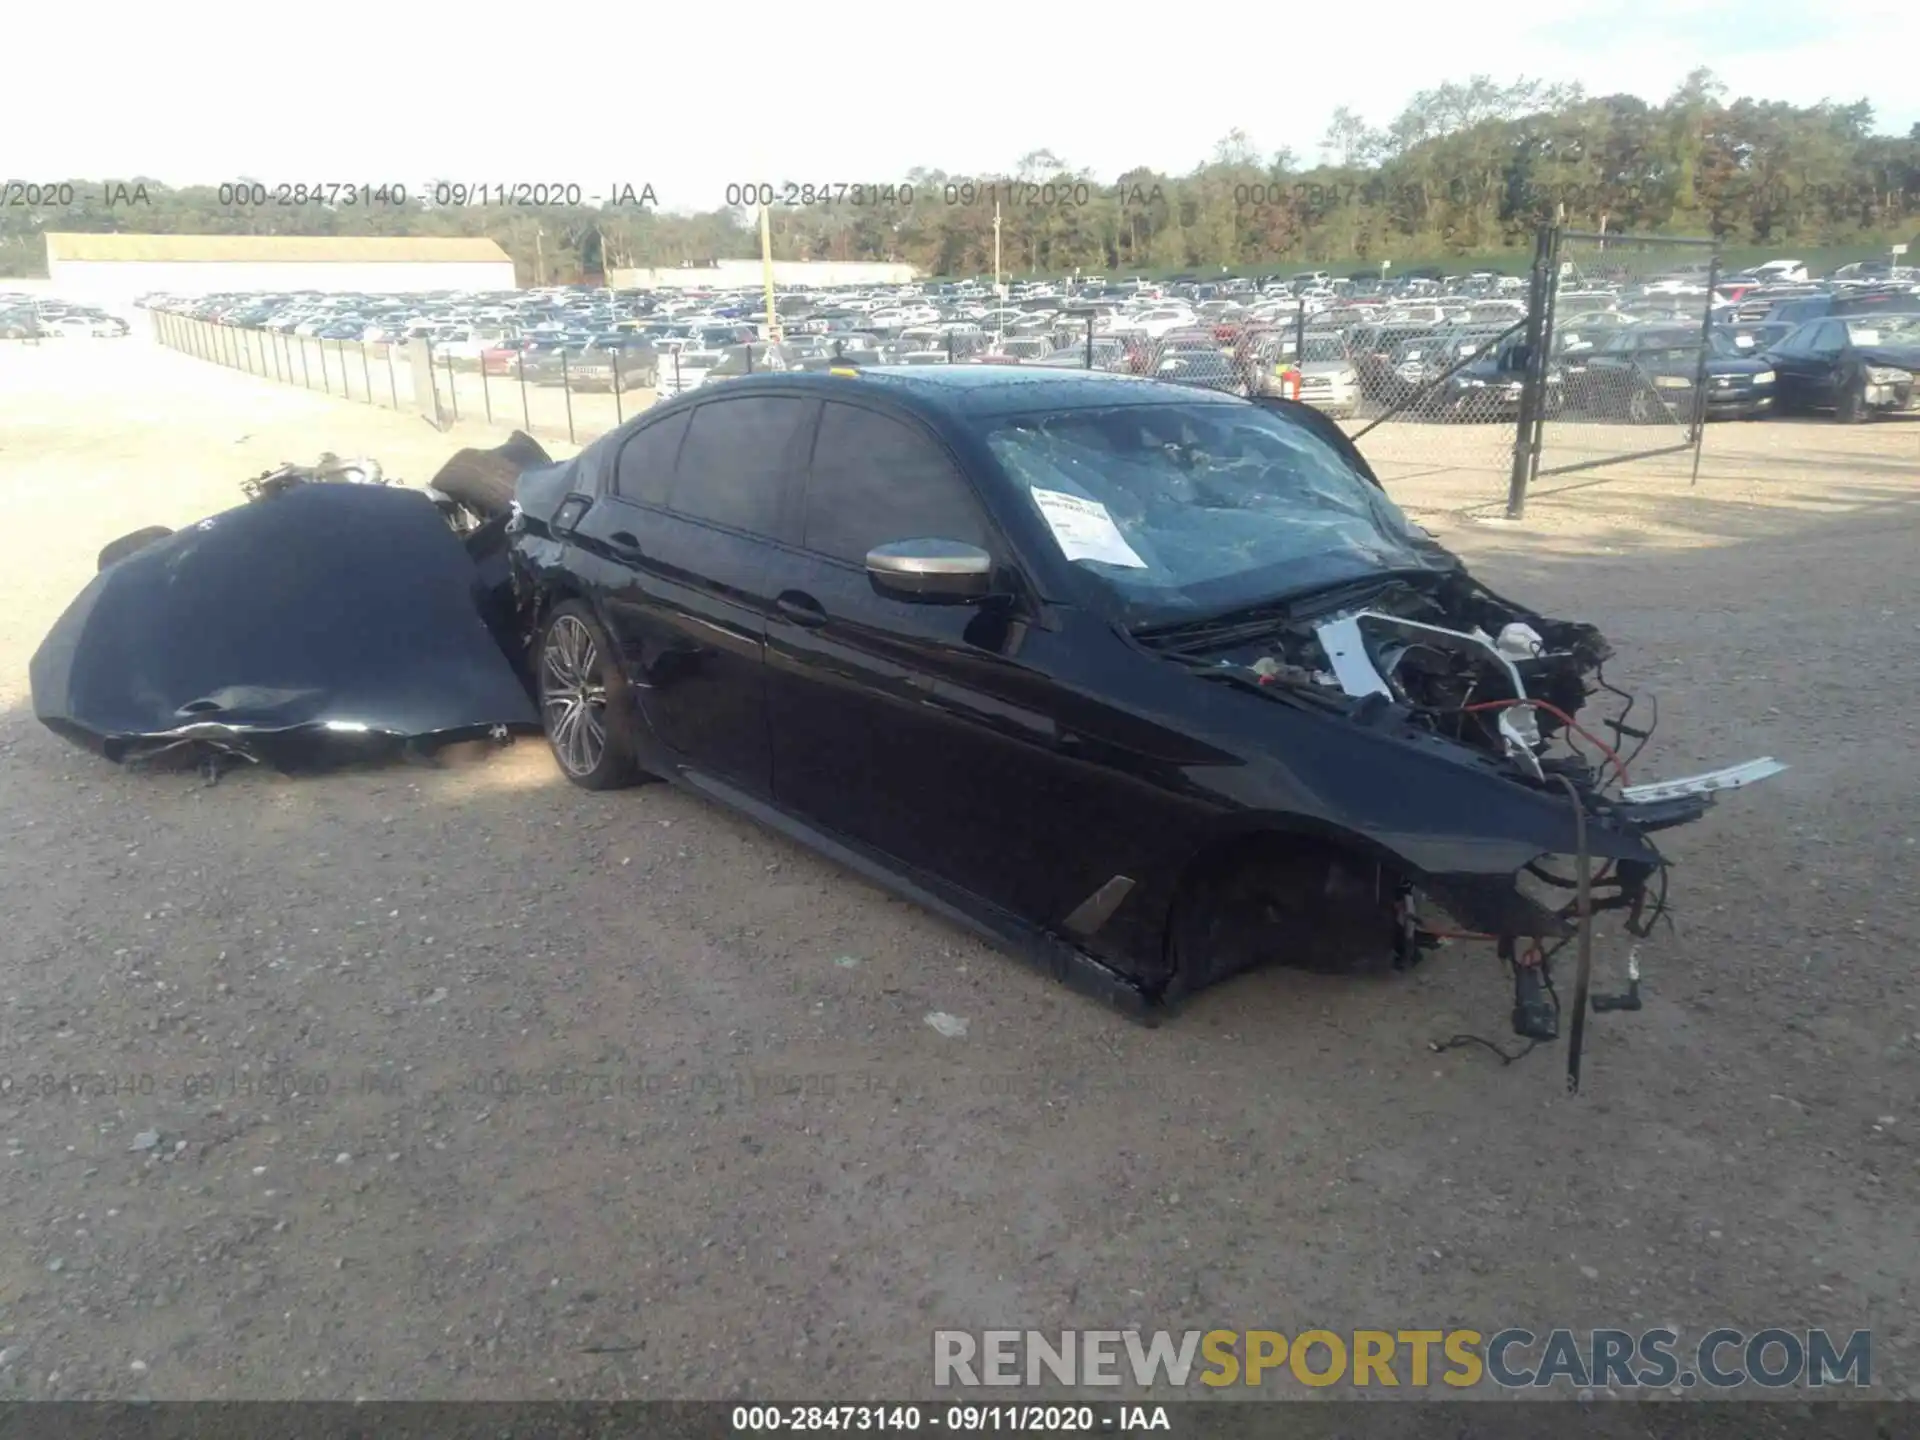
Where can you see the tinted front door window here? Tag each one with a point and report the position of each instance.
(876, 479)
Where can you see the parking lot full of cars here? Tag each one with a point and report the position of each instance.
(1420, 347)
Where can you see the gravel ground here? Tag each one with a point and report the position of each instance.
(323, 1152)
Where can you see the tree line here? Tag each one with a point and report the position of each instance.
(1467, 168)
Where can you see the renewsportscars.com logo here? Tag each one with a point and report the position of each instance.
(1513, 1359)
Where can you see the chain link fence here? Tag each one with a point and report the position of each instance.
(1628, 344)
(349, 370)
(1600, 354)
(1431, 387)
(576, 390)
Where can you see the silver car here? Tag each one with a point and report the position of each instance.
(1328, 381)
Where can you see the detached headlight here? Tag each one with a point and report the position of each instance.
(1765, 377)
(1886, 375)
(1347, 377)
(1471, 384)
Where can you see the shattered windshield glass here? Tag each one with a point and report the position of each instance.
(1181, 510)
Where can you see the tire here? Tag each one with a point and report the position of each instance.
(592, 741)
(1851, 406)
(484, 480)
(116, 551)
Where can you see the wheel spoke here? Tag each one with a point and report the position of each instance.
(592, 738)
(564, 726)
(573, 696)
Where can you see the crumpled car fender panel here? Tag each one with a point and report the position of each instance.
(327, 609)
(1435, 805)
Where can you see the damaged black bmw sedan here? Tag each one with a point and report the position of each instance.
(1150, 684)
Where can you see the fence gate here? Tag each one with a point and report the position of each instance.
(1619, 352)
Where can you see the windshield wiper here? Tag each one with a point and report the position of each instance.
(1248, 622)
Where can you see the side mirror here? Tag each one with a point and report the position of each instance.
(1515, 360)
(932, 570)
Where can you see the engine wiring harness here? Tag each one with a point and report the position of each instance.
(1585, 780)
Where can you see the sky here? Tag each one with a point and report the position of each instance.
(695, 98)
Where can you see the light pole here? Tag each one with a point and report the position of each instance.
(999, 291)
(766, 269)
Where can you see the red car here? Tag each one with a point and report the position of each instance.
(504, 358)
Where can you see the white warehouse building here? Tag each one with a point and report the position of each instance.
(114, 270)
(748, 275)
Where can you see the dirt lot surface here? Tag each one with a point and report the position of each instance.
(465, 1083)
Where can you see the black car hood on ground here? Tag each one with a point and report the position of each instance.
(315, 624)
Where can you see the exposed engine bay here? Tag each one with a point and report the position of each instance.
(1440, 656)
(1459, 656)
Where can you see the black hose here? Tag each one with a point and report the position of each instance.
(1583, 969)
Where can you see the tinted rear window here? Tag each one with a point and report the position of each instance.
(644, 471)
(735, 461)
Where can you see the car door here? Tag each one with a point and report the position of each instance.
(925, 731)
(1824, 348)
(1797, 368)
(1613, 376)
(697, 502)
(1787, 356)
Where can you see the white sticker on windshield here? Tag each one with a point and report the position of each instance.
(1864, 337)
(1085, 530)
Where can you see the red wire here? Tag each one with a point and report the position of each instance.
(1605, 749)
(1619, 766)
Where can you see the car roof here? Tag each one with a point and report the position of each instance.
(976, 390)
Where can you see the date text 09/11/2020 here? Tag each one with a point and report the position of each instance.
(1104, 1419)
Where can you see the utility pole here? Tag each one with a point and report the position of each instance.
(999, 292)
(766, 269)
(996, 247)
